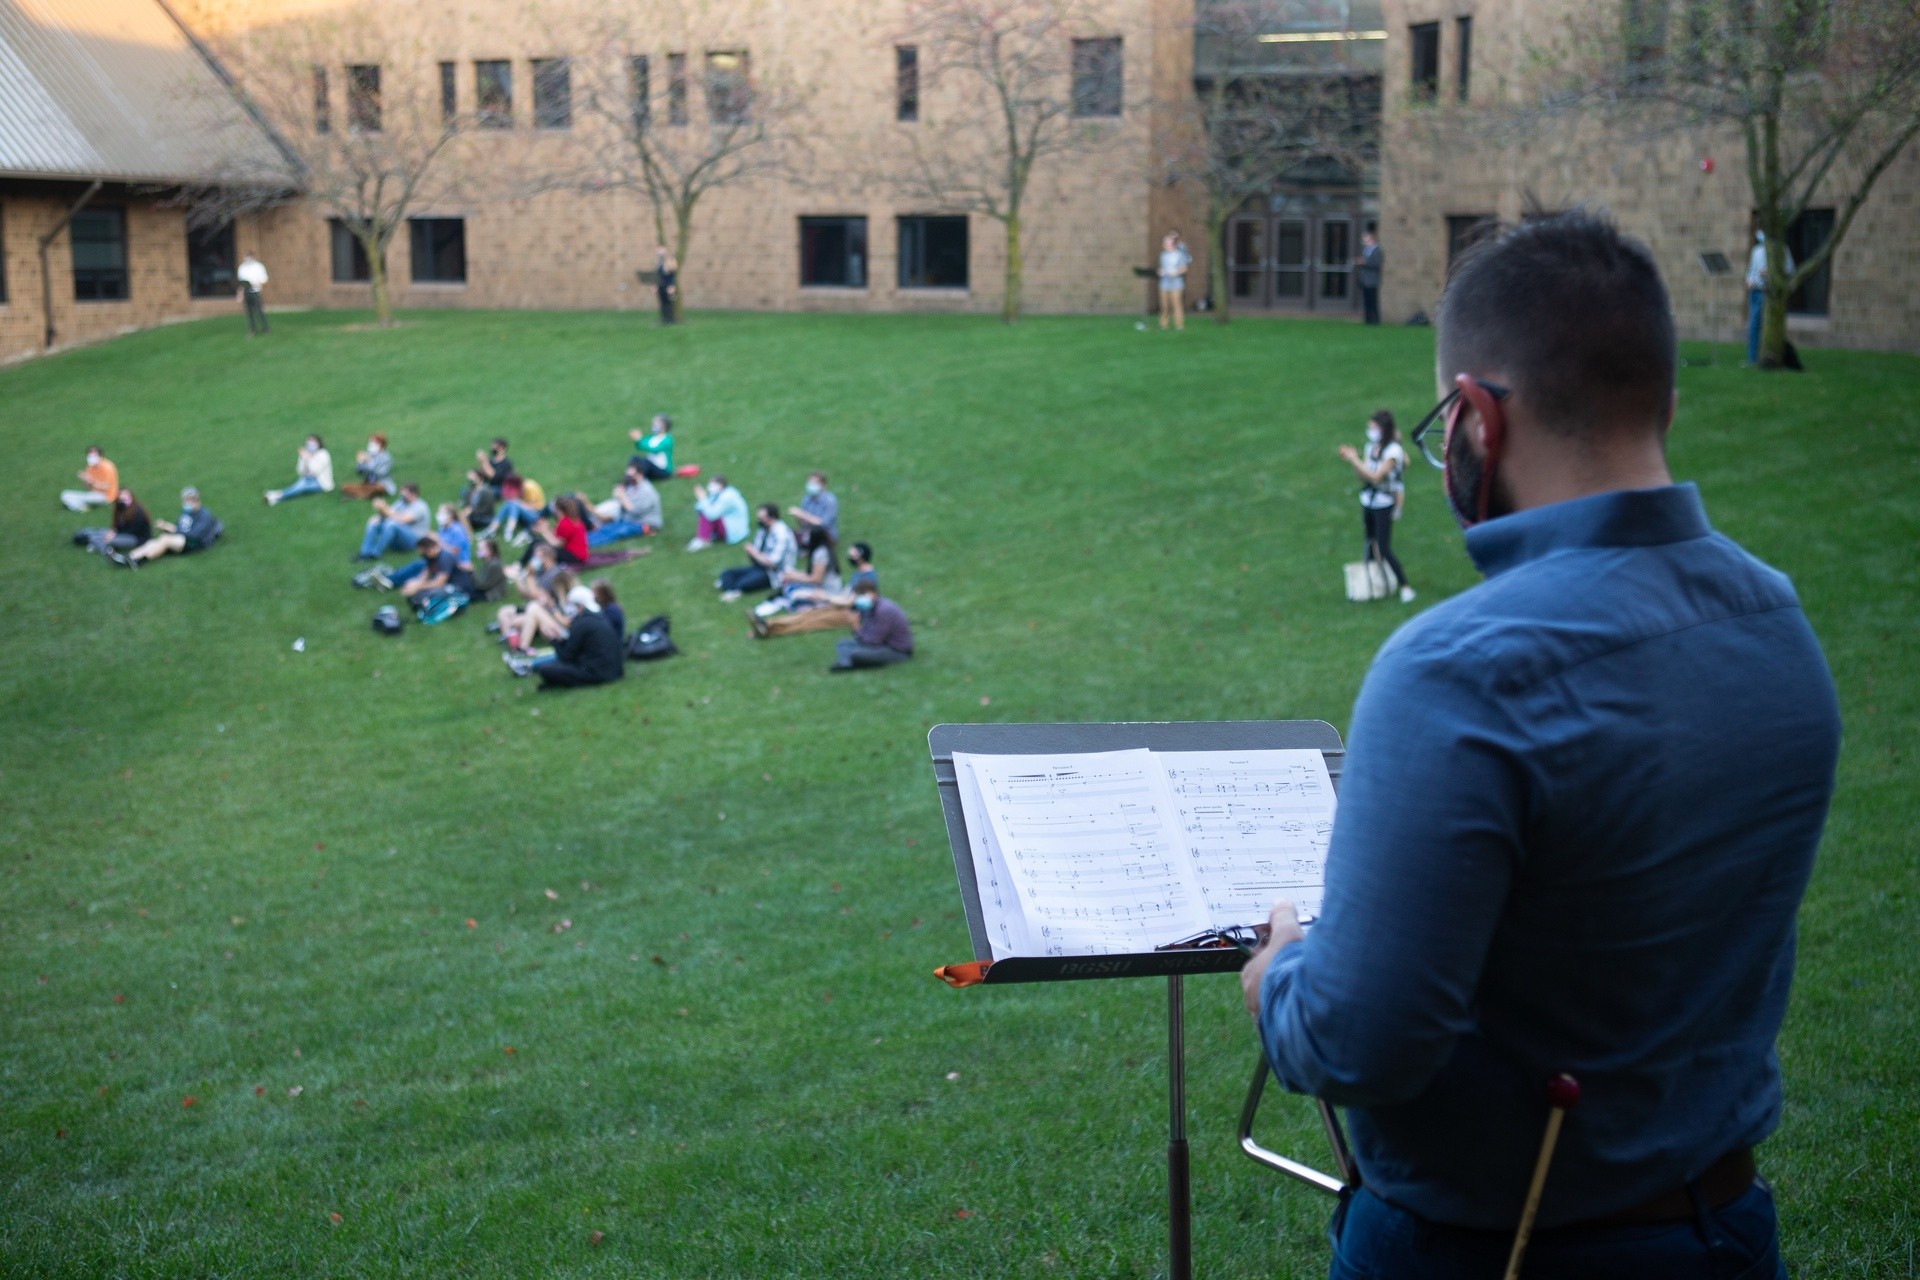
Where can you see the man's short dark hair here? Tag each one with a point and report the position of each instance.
(500, 443)
(1372, 227)
(862, 549)
(771, 510)
(1573, 313)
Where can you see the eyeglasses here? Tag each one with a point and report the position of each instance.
(1424, 438)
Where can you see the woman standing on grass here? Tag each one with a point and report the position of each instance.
(1381, 468)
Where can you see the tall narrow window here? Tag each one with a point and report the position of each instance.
(1463, 87)
(1644, 35)
(676, 88)
(1805, 238)
(640, 90)
(449, 92)
(349, 256)
(552, 93)
(99, 238)
(437, 248)
(1465, 230)
(363, 99)
(933, 253)
(1424, 39)
(906, 83)
(729, 87)
(493, 93)
(1097, 77)
(833, 251)
(322, 107)
(211, 261)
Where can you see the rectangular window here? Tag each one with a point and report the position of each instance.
(349, 255)
(1643, 34)
(676, 88)
(729, 87)
(1097, 77)
(833, 251)
(322, 108)
(933, 253)
(438, 248)
(640, 91)
(1464, 87)
(1465, 230)
(1804, 239)
(99, 239)
(363, 99)
(210, 262)
(1424, 38)
(493, 93)
(552, 93)
(906, 83)
(449, 92)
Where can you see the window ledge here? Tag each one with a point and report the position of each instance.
(949, 290)
(836, 288)
(436, 285)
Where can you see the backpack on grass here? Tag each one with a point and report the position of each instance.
(651, 639)
(386, 620)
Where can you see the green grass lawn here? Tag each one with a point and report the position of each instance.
(324, 894)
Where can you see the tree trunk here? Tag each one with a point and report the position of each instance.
(682, 239)
(1217, 267)
(1773, 327)
(377, 280)
(1010, 301)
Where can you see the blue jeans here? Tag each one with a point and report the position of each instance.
(614, 530)
(384, 535)
(511, 510)
(300, 488)
(1373, 1240)
(407, 572)
(1756, 303)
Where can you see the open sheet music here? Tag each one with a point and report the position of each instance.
(1120, 852)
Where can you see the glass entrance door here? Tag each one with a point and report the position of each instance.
(1291, 263)
(1336, 263)
(1247, 261)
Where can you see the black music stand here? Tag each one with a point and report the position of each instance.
(1229, 735)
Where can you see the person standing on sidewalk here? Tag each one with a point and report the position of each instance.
(1369, 262)
(253, 278)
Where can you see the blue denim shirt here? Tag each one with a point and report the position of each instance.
(1579, 809)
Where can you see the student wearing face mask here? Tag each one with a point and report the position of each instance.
(102, 480)
(1382, 468)
(881, 637)
(375, 467)
(196, 529)
(313, 473)
(723, 515)
(819, 509)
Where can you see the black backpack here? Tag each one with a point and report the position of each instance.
(651, 639)
(386, 620)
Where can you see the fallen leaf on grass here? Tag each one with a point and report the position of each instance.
(508, 1050)
(335, 1219)
(119, 998)
(259, 1090)
(294, 1091)
(681, 1011)
(985, 700)
(104, 1090)
(238, 920)
(472, 923)
(59, 1133)
(359, 1102)
(552, 895)
(963, 1213)
(188, 1101)
(563, 926)
(43, 978)
(596, 1238)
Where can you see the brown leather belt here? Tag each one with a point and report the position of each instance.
(1725, 1180)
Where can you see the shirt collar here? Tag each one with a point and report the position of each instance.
(1620, 518)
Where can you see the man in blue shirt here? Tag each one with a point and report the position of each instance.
(1579, 810)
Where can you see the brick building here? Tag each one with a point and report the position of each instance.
(1441, 185)
(106, 108)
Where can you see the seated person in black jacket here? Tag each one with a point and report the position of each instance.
(588, 654)
(195, 530)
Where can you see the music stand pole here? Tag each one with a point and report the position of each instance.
(1179, 1192)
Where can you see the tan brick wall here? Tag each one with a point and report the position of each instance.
(156, 268)
(1437, 164)
(1087, 222)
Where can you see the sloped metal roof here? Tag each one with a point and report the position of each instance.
(114, 89)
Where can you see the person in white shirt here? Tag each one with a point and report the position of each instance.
(313, 471)
(1381, 467)
(772, 553)
(253, 277)
(1174, 261)
(1757, 290)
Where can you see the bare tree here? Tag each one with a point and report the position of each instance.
(358, 112)
(1824, 95)
(652, 136)
(1248, 123)
(1002, 95)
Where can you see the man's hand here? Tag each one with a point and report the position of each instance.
(1283, 926)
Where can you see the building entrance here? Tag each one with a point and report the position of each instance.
(1295, 254)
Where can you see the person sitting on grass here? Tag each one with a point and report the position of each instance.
(815, 608)
(882, 636)
(723, 515)
(396, 524)
(548, 618)
(489, 573)
(819, 509)
(436, 567)
(523, 503)
(589, 653)
(534, 580)
(455, 536)
(313, 473)
(799, 588)
(493, 467)
(102, 479)
(375, 468)
(131, 527)
(632, 512)
(653, 450)
(610, 607)
(195, 530)
(769, 555)
(568, 533)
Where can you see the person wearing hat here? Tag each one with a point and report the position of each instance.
(195, 530)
